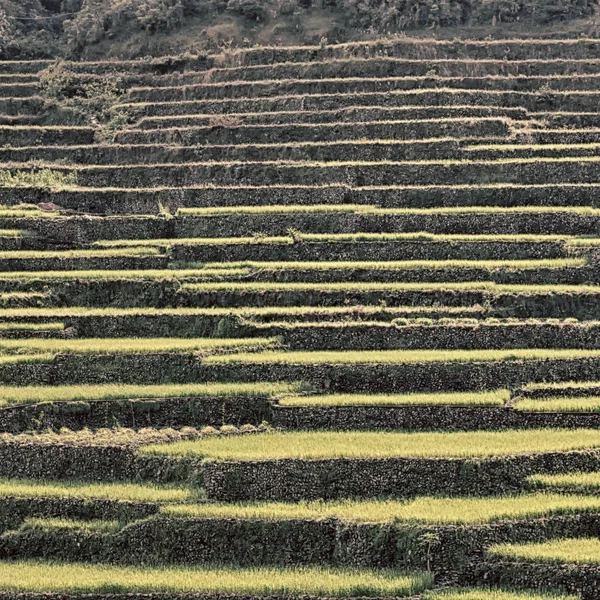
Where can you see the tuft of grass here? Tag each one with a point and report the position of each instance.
(397, 356)
(15, 394)
(41, 577)
(44, 178)
(131, 492)
(313, 445)
(429, 510)
(567, 550)
(495, 398)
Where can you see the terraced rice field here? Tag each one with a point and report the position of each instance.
(312, 322)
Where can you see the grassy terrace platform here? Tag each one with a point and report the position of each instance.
(559, 404)
(397, 356)
(15, 395)
(422, 510)
(495, 398)
(575, 550)
(325, 445)
(126, 346)
(79, 579)
(589, 482)
(22, 488)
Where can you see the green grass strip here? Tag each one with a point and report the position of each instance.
(32, 326)
(346, 237)
(32, 358)
(13, 233)
(274, 208)
(495, 398)
(149, 274)
(559, 404)
(559, 263)
(72, 254)
(561, 385)
(131, 492)
(78, 311)
(372, 209)
(129, 345)
(397, 356)
(577, 481)
(569, 550)
(14, 394)
(313, 445)
(466, 286)
(428, 510)
(37, 576)
(69, 525)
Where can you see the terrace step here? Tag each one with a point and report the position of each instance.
(53, 135)
(361, 68)
(345, 115)
(392, 66)
(300, 246)
(306, 151)
(131, 258)
(18, 90)
(337, 219)
(428, 49)
(141, 201)
(531, 101)
(298, 132)
(334, 85)
(360, 174)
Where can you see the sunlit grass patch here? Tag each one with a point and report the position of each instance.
(37, 576)
(65, 525)
(44, 178)
(74, 254)
(128, 345)
(131, 492)
(50, 326)
(567, 550)
(495, 398)
(427, 510)
(558, 263)
(559, 404)
(398, 356)
(577, 481)
(14, 394)
(275, 208)
(370, 444)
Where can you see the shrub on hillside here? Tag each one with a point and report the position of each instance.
(98, 19)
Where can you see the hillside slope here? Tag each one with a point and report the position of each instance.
(302, 322)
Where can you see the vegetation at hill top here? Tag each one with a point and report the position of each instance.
(92, 29)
